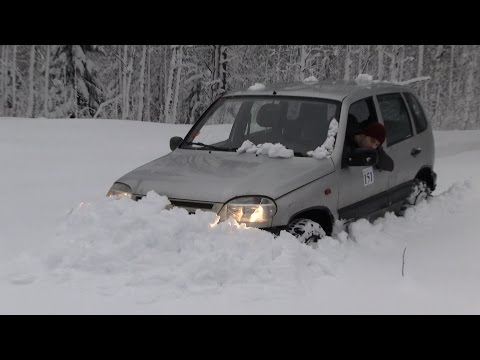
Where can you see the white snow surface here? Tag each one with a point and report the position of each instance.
(257, 86)
(67, 249)
(272, 150)
(325, 150)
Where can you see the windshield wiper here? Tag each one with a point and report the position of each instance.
(211, 147)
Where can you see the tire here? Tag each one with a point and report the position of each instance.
(306, 230)
(420, 192)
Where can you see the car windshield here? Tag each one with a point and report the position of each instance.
(299, 124)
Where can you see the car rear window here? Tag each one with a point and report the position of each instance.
(395, 117)
(419, 117)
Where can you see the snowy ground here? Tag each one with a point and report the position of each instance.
(65, 248)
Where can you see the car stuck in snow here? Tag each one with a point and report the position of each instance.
(275, 157)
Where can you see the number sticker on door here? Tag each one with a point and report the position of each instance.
(368, 176)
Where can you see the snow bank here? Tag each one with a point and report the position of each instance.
(143, 252)
(383, 232)
(113, 245)
(272, 150)
(326, 149)
(118, 243)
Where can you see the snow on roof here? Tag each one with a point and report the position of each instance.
(257, 86)
(310, 79)
(325, 89)
(364, 79)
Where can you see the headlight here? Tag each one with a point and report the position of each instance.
(120, 190)
(251, 209)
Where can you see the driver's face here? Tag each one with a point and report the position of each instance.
(368, 142)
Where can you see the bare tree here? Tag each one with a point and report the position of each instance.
(223, 69)
(394, 56)
(47, 82)
(179, 67)
(3, 77)
(31, 83)
(14, 80)
(380, 56)
(129, 79)
(438, 80)
(450, 78)
(170, 84)
(471, 60)
(303, 62)
(218, 70)
(142, 83)
(348, 62)
(119, 83)
(126, 100)
(421, 49)
(149, 82)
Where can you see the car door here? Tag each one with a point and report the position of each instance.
(362, 189)
(402, 145)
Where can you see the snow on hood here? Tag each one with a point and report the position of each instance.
(326, 149)
(219, 176)
(272, 150)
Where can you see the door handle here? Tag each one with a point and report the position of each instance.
(415, 151)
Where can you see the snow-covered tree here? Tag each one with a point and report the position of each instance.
(80, 74)
(31, 84)
(176, 83)
(47, 82)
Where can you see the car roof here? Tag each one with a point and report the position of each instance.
(333, 90)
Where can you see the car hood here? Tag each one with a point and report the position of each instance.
(215, 176)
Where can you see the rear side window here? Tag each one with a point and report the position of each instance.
(395, 117)
(418, 115)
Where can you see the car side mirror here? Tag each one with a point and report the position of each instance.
(175, 142)
(362, 157)
(385, 162)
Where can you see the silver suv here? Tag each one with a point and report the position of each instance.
(273, 157)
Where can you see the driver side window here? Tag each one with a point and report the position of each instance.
(363, 112)
(360, 114)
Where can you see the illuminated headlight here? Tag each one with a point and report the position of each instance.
(252, 209)
(120, 190)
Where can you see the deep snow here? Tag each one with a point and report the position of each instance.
(66, 248)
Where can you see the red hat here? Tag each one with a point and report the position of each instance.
(376, 131)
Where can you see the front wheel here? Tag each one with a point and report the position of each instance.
(306, 230)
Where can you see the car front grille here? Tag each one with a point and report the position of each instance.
(190, 206)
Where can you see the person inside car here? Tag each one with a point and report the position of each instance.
(368, 137)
